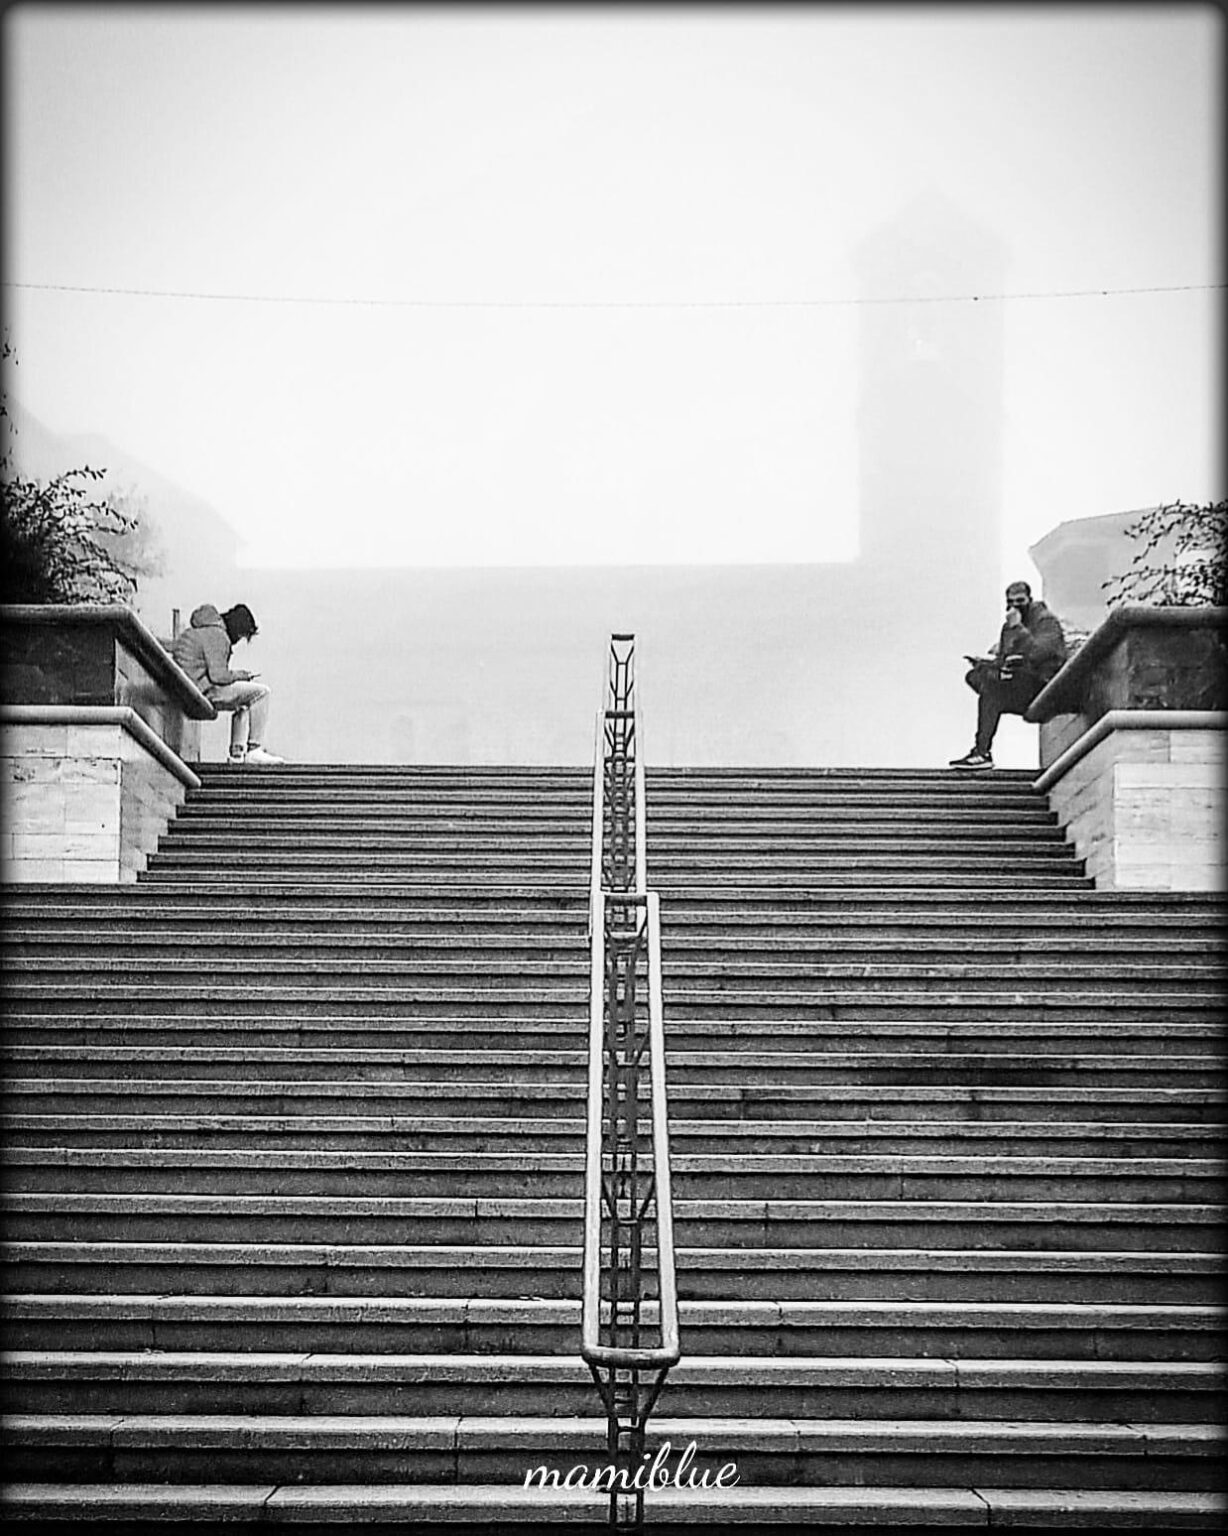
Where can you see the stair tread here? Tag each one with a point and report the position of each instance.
(1185, 1167)
(473, 1430)
(750, 1209)
(399, 1502)
(408, 1255)
(837, 924)
(821, 1370)
(740, 1313)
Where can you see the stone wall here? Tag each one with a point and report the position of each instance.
(83, 799)
(1144, 806)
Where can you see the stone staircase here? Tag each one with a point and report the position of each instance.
(294, 1150)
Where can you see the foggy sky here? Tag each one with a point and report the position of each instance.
(654, 216)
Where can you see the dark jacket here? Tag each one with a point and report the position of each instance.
(1039, 641)
(203, 650)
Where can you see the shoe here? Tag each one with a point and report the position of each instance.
(973, 759)
(263, 758)
(236, 756)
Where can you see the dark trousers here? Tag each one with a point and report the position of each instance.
(997, 696)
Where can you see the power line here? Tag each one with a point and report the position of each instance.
(661, 304)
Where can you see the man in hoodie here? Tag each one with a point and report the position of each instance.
(203, 651)
(1030, 651)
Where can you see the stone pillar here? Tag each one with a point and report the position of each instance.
(96, 723)
(1132, 749)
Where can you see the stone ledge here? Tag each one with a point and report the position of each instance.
(1128, 720)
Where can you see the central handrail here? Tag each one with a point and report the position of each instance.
(628, 1343)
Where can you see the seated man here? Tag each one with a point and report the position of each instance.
(1030, 651)
(203, 651)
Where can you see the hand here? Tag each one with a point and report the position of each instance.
(244, 677)
(1014, 619)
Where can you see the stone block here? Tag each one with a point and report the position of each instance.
(27, 871)
(1173, 778)
(93, 741)
(1195, 746)
(92, 871)
(90, 808)
(38, 811)
(34, 741)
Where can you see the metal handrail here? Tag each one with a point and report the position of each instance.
(628, 1344)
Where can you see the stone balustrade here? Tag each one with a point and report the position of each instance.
(1132, 748)
(98, 728)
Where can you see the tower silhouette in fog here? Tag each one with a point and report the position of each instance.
(842, 663)
(930, 408)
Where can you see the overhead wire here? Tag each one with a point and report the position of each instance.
(654, 304)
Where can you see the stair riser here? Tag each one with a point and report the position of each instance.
(533, 1002)
(498, 1339)
(292, 955)
(190, 952)
(256, 1278)
(1007, 1071)
(372, 1082)
(541, 1034)
(564, 1066)
(972, 1141)
(569, 1399)
(912, 1231)
(564, 1098)
(877, 914)
(905, 841)
(314, 1466)
(497, 1003)
(479, 1231)
(83, 1042)
(79, 1051)
(836, 1004)
(266, 1137)
(356, 1184)
(80, 1036)
(955, 1107)
(796, 987)
(532, 1184)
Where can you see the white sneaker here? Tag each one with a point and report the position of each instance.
(263, 757)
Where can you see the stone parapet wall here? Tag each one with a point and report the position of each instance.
(87, 792)
(1132, 748)
(99, 654)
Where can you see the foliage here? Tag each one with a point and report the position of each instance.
(52, 542)
(63, 542)
(1183, 559)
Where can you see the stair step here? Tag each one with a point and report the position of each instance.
(949, 1105)
(104, 1381)
(434, 1325)
(746, 1176)
(324, 1449)
(699, 1056)
(1191, 1278)
(941, 1223)
(948, 1160)
(405, 1508)
(86, 946)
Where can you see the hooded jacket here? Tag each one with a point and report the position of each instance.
(203, 650)
(1040, 642)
